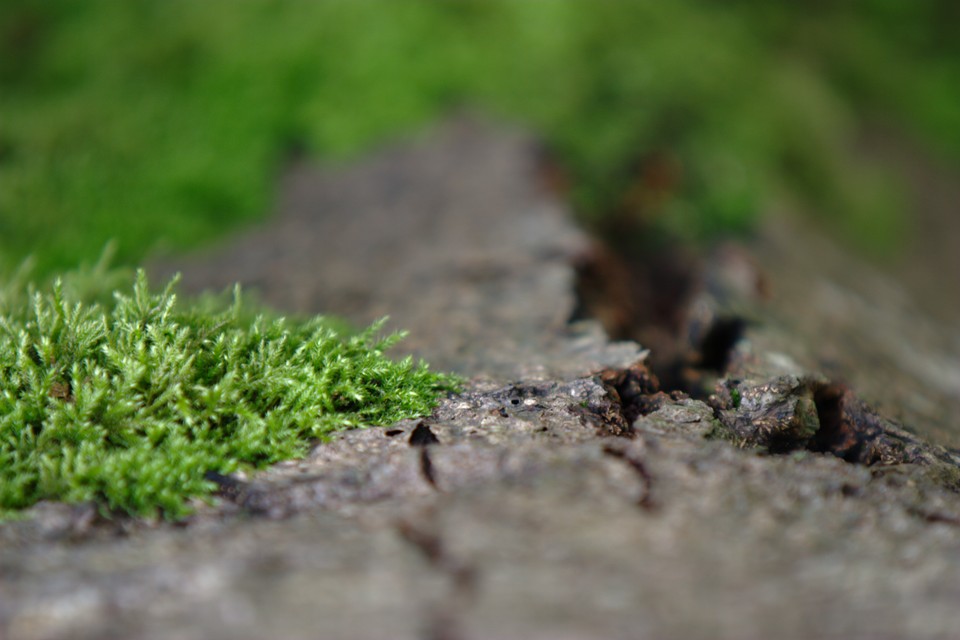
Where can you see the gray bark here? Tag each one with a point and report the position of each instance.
(559, 496)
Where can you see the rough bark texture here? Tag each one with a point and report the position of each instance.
(561, 495)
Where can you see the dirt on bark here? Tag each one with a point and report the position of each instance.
(778, 466)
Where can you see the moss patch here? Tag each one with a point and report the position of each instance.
(175, 115)
(132, 403)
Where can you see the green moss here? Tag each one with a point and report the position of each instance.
(736, 397)
(130, 404)
(176, 115)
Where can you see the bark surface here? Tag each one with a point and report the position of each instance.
(563, 494)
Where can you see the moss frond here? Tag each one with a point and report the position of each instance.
(131, 404)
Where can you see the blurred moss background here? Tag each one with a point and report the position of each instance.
(164, 123)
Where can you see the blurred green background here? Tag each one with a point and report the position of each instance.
(165, 123)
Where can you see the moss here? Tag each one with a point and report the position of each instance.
(132, 403)
(735, 397)
(650, 122)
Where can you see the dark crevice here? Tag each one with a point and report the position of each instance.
(834, 435)
(422, 436)
(633, 291)
(718, 343)
(786, 414)
(426, 467)
(443, 622)
(847, 429)
(630, 393)
(645, 500)
(653, 295)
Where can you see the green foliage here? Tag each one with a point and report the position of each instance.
(174, 116)
(131, 404)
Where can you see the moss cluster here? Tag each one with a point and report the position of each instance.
(131, 404)
(176, 115)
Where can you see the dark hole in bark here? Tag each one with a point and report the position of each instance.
(645, 295)
(719, 342)
(845, 430)
(830, 415)
(782, 444)
(423, 436)
(426, 467)
(635, 291)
